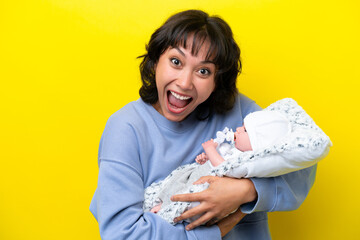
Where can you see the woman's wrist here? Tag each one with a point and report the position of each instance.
(229, 222)
(250, 191)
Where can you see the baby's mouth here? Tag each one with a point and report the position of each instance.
(177, 100)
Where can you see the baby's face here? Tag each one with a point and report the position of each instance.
(242, 140)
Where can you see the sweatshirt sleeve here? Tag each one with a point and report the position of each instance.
(281, 193)
(117, 203)
(119, 211)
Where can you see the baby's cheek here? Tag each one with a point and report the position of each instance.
(243, 142)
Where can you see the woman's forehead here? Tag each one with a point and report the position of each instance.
(201, 53)
(197, 47)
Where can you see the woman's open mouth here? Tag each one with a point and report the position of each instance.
(177, 103)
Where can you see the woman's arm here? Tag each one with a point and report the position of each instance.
(223, 196)
(118, 200)
(226, 224)
(282, 193)
(118, 209)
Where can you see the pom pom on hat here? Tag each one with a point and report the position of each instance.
(266, 128)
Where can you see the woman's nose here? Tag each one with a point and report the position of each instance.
(185, 81)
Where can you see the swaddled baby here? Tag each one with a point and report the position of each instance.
(277, 140)
(260, 130)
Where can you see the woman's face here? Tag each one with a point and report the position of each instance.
(183, 81)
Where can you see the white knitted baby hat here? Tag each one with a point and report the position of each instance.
(265, 128)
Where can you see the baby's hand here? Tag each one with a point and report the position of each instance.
(201, 158)
(209, 144)
(156, 209)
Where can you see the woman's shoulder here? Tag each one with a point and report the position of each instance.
(130, 113)
(124, 120)
(119, 141)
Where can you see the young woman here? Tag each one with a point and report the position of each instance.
(189, 92)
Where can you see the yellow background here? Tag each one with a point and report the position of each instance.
(67, 65)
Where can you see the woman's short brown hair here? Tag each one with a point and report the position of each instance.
(223, 51)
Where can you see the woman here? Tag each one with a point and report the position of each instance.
(189, 92)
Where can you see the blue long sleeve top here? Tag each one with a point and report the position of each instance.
(139, 146)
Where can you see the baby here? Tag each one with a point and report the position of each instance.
(280, 139)
(263, 128)
(260, 129)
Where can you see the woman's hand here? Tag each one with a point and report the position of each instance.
(227, 223)
(223, 196)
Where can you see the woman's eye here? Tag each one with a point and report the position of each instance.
(204, 71)
(175, 61)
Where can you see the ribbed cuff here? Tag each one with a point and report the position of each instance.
(266, 190)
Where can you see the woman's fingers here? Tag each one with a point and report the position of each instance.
(202, 180)
(200, 209)
(201, 220)
(220, 199)
(188, 197)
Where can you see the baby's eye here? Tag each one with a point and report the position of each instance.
(204, 71)
(175, 61)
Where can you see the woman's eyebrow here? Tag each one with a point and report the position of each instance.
(207, 61)
(181, 52)
(202, 62)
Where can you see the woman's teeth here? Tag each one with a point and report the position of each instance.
(178, 96)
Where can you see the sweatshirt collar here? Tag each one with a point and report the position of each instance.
(185, 125)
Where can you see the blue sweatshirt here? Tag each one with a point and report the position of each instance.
(139, 146)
